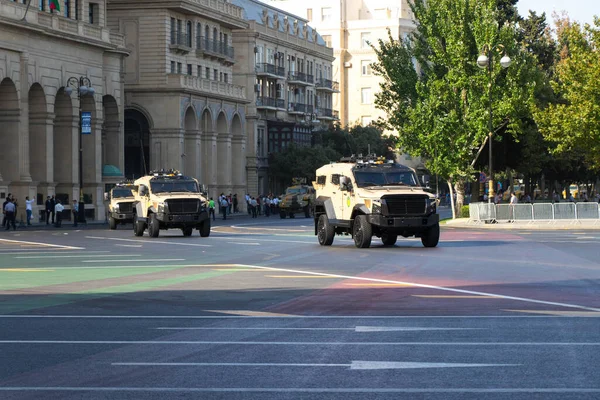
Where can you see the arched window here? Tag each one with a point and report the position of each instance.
(198, 35)
(188, 32)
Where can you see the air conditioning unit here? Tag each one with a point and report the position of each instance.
(257, 88)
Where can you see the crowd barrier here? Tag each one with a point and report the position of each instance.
(486, 212)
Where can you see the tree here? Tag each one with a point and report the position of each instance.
(573, 123)
(300, 162)
(441, 110)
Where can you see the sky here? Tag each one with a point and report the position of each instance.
(582, 11)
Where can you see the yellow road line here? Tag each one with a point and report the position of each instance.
(301, 276)
(22, 242)
(434, 296)
(25, 270)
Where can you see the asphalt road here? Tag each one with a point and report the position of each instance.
(260, 311)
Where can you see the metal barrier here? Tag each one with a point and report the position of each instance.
(486, 212)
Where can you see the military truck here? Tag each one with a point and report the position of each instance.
(169, 200)
(120, 208)
(370, 196)
(297, 199)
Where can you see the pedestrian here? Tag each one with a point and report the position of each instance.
(75, 211)
(248, 203)
(230, 201)
(211, 208)
(53, 201)
(253, 206)
(48, 209)
(513, 203)
(224, 204)
(10, 212)
(28, 209)
(58, 209)
(235, 203)
(8, 198)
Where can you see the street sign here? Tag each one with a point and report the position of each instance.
(86, 123)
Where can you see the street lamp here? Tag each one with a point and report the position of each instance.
(84, 88)
(485, 60)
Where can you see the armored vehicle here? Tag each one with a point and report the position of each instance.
(366, 197)
(169, 200)
(122, 199)
(297, 199)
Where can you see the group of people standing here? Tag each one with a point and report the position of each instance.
(9, 211)
(53, 211)
(262, 205)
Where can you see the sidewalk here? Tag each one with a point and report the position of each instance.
(593, 225)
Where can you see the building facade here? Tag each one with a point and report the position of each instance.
(286, 68)
(46, 56)
(182, 108)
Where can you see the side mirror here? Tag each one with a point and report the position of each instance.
(345, 183)
(143, 190)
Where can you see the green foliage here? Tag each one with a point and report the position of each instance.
(572, 124)
(441, 111)
(464, 212)
(300, 162)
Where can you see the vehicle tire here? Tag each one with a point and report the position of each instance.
(187, 231)
(431, 237)
(389, 239)
(205, 228)
(282, 214)
(112, 223)
(138, 227)
(325, 232)
(153, 227)
(292, 215)
(362, 232)
(307, 211)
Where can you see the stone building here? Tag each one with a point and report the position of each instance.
(182, 109)
(285, 67)
(44, 56)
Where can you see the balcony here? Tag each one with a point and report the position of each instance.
(206, 86)
(327, 114)
(270, 70)
(57, 25)
(300, 78)
(326, 85)
(228, 15)
(269, 102)
(218, 50)
(180, 42)
(297, 108)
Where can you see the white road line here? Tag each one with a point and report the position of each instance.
(84, 256)
(422, 285)
(246, 243)
(209, 317)
(41, 244)
(129, 245)
(27, 251)
(147, 260)
(355, 329)
(266, 343)
(149, 241)
(117, 389)
(354, 365)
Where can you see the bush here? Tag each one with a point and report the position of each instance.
(464, 212)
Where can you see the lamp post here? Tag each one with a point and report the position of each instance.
(84, 88)
(485, 60)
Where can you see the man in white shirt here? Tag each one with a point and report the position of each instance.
(28, 209)
(513, 203)
(58, 209)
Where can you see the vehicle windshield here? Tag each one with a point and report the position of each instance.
(174, 186)
(121, 192)
(296, 191)
(380, 178)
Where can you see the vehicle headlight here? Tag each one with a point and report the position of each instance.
(431, 206)
(116, 208)
(376, 207)
(163, 207)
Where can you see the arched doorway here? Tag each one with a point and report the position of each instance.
(9, 129)
(112, 150)
(40, 130)
(238, 142)
(191, 147)
(65, 131)
(137, 144)
(223, 154)
(208, 159)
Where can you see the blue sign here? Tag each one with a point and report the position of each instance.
(86, 123)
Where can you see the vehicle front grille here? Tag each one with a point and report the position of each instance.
(126, 207)
(183, 206)
(406, 205)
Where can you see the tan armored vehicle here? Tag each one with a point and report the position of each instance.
(367, 197)
(169, 200)
(120, 208)
(297, 199)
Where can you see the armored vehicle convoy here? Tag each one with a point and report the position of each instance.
(297, 199)
(169, 200)
(122, 199)
(366, 197)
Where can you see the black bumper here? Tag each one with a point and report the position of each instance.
(403, 223)
(182, 220)
(122, 216)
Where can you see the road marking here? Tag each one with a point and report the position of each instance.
(301, 276)
(376, 284)
(422, 285)
(354, 365)
(82, 256)
(24, 270)
(266, 343)
(355, 329)
(245, 243)
(150, 241)
(560, 313)
(367, 390)
(129, 245)
(147, 260)
(41, 244)
(237, 269)
(433, 296)
(250, 313)
(277, 316)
